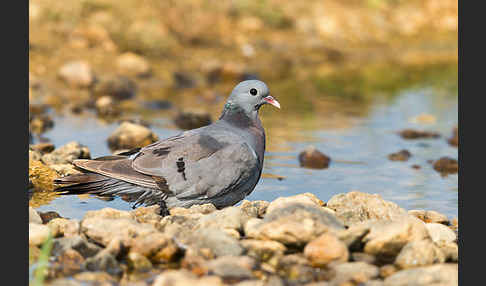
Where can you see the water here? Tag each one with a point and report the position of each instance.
(358, 151)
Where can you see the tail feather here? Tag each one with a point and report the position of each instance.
(94, 183)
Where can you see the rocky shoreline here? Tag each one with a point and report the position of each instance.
(353, 239)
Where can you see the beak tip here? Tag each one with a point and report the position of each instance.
(272, 101)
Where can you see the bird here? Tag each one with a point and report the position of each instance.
(220, 163)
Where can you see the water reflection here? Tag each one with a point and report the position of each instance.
(357, 134)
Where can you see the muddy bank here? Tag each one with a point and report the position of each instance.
(300, 240)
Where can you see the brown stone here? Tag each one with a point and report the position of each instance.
(325, 249)
(313, 158)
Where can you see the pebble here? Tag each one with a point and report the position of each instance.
(66, 154)
(439, 274)
(77, 74)
(129, 135)
(440, 233)
(118, 87)
(38, 233)
(446, 165)
(418, 134)
(354, 207)
(133, 64)
(325, 249)
(313, 158)
(419, 253)
(402, 155)
(34, 217)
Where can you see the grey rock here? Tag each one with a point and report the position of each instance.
(429, 216)
(133, 64)
(354, 207)
(34, 217)
(104, 230)
(440, 274)
(227, 218)
(263, 250)
(295, 224)
(184, 277)
(85, 248)
(305, 198)
(117, 87)
(256, 209)
(77, 74)
(419, 253)
(66, 154)
(358, 272)
(387, 238)
(313, 158)
(219, 242)
(103, 261)
(129, 135)
(232, 267)
(38, 233)
(440, 233)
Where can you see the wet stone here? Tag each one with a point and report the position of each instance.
(42, 147)
(418, 134)
(105, 106)
(117, 87)
(41, 123)
(66, 154)
(454, 139)
(446, 165)
(313, 158)
(48, 216)
(402, 155)
(129, 136)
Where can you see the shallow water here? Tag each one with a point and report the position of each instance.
(358, 150)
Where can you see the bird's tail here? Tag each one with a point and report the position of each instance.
(85, 183)
(100, 185)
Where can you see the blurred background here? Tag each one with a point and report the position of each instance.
(350, 76)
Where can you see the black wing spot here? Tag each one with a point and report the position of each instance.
(181, 167)
(161, 151)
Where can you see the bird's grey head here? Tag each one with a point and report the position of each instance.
(250, 95)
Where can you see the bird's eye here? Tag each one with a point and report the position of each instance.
(253, 91)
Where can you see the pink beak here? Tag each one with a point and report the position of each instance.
(272, 101)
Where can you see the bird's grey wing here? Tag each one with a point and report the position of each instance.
(198, 164)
